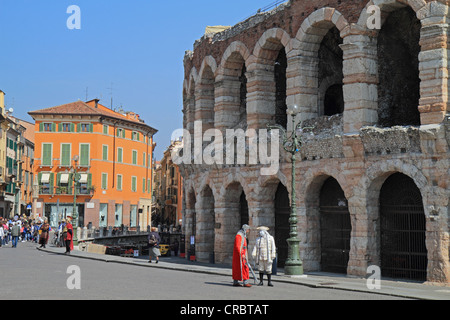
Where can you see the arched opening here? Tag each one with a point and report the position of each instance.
(243, 209)
(331, 74)
(403, 230)
(398, 69)
(282, 214)
(235, 84)
(280, 86)
(334, 100)
(335, 228)
(205, 99)
(205, 226)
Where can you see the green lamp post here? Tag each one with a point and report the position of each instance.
(292, 143)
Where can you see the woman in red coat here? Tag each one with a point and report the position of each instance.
(68, 235)
(241, 271)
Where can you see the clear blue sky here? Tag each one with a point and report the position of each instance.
(134, 47)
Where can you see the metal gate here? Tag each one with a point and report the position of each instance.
(403, 225)
(282, 214)
(335, 226)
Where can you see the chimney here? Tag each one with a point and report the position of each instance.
(2, 100)
(96, 103)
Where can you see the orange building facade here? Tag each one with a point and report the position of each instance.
(96, 157)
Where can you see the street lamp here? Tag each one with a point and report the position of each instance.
(292, 143)
(76, 178)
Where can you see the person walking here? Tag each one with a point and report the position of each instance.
(68, 235)
(264, 253)
(44, 233)
(153, 245)
(15, 233)
(2, 233)
(241, 270)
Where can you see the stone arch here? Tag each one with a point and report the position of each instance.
(269, 77)
(205, 93)
(308, 42)
(270, 43)
(309, 205)
(229, 217)
(432, 105)
(189, 213)
(388, 6)
(190, 95)
(205, 224)
(365, 203)
(231, 88)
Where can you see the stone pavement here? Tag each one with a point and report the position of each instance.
(403, 289)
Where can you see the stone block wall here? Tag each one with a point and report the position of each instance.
(352, 147)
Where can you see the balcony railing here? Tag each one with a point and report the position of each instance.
(46, 190)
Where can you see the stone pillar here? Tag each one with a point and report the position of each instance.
(433, 63)
(302, 82)
(227, 104)
(204, 102)
(260, 95)
(360, 80)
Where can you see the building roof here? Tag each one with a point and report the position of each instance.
(92, 108)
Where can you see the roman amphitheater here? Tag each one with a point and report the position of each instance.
(372, 177)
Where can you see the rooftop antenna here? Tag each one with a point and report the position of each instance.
(87, 91)
(111, 89)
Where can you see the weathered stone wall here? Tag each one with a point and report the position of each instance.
(353, 147)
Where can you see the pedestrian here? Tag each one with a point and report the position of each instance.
(241, 270)
(176, 247)
(264, 253)
(153, 245)
(2, 233)
(15, 233)
(68, 235)
(44, 233)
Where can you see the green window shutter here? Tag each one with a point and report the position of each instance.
(53, 127)
(119, 182)
(47, 154)
(84, 155)
(138, 137)
(143, 185)
(104, 181)
(58, 178)
(148, 185)
(41, 127)
(119, 155)
(143, 158)
(89, 180)
(133, 184)
(123, 133)
(39, 177)
(91, 127)
(59, 127)
(105, 129)
(51, 182)
(78, 127)
(72, 127)
(134, 156)
(65, 154)
(105, 153)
